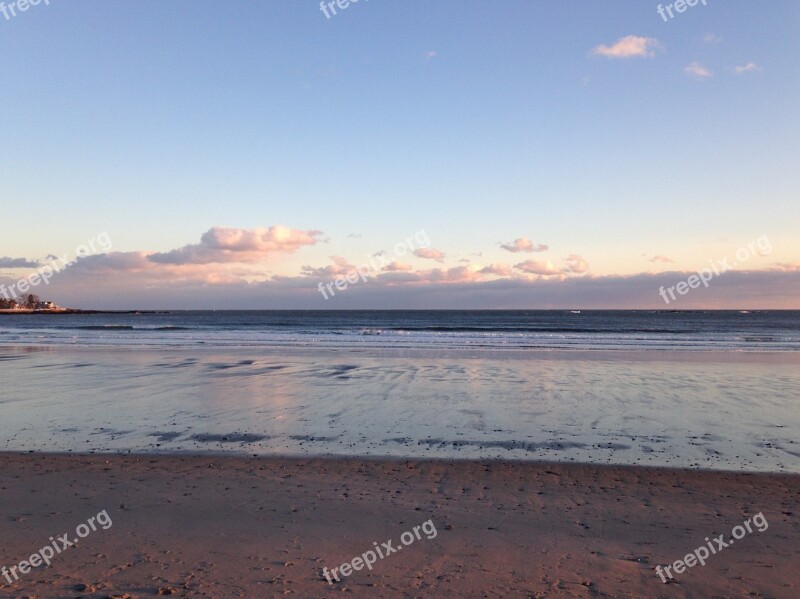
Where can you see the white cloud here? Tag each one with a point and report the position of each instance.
(629, 46)
(695, 69)
(747, 68)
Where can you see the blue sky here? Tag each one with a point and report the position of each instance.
(478, 122)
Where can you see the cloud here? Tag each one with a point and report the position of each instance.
(134, 273)
(354, 235)
(129, 280)
(712, 38)
(116, 262)
(747, 68)
(440, 289)
(340, 267)
(501, 270)
(397, 267)
(7, 262)
(538, 267)
(456, 274)
(429, 254)
(430, 54)
(576, 264)
(629, 46)
(695, 69)
(788, 266)
(226, 245)
(664, 259)
(137, 270)
(523, 244)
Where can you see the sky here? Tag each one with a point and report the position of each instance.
(444, 154)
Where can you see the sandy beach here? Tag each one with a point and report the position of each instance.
(217, 526)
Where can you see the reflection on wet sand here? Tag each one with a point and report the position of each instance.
(718, 410)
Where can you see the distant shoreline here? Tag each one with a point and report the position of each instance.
(442, 310)
(72, 311)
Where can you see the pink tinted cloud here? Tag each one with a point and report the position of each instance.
(397, 267)
(538, 267)
(135, 268)
(736, 289)
(429, 254)
(576, 264)
(339, 267)
(788, 266)
(664, 259)
(456, 274)
(128, 280)
(225, 245)
(500, 270)
(523, 244)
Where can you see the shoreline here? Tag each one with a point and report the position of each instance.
(74, 311)
(219, 455)
(443, 310)
(467, 351)
(269, 526)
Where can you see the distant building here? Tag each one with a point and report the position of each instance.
(47, 305)
(43, 306)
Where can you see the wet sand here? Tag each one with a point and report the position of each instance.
(711, 410)
(265, 527)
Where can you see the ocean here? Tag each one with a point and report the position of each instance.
(503, 329)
